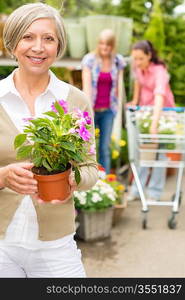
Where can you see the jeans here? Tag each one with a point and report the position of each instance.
(104, 121)
(156, 183)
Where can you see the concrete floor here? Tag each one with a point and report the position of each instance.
(134, 252)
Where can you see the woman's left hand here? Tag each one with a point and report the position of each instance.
(73, 186)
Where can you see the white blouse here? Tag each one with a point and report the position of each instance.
(23, 229)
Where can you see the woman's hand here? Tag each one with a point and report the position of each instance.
(19, 178)
(73, 186)
(131, 103)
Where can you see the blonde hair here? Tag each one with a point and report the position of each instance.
(109, 37)
(21, 18)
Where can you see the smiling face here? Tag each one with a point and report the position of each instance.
(104, 48)
(141, 59)
(37, 49)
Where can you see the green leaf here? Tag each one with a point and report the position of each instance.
(19, 140)
(39, 140)
(37, 161)
(68, 146)
(77, 175)
(75, 156)
(46, 165)
(51, 114)
(24, 151)
(59, 108)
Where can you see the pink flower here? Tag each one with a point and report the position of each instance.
(92, 150)
(87, 117)
(83, 133)
(84, 116)
(63, 104)
(27, 119)
(72, 130)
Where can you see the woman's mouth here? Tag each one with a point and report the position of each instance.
(36, 60)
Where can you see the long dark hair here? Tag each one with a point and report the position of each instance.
(147, 47)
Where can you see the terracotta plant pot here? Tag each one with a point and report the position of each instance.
(53, 187)
(174, 156)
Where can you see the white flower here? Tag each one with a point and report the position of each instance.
(101, 174)
(96, 197)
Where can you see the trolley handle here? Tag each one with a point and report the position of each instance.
(133, 108)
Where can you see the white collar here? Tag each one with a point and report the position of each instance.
(58, 88)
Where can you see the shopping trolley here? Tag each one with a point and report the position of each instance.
(144, 150)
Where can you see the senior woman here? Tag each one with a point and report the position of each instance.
(37, 240)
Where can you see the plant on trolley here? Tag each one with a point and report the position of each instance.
(168, 124)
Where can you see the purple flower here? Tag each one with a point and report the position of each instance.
(87, 117)
(83, 133)
(63, 104)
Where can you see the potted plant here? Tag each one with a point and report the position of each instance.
(95, 211)
(169, 124)
(56, 143)
(120, 203)
(144, 121)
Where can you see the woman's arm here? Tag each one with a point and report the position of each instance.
(158, 105)
(136, 92)
(120, 85)
(2, 175)
(87, 82)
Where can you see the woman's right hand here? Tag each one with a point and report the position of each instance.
(131, 103)
(19, 178)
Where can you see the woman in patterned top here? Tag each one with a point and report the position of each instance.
(101, 69)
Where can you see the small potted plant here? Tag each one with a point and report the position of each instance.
(120, 203)
(95, 211)
(144, 121)
(56, 143)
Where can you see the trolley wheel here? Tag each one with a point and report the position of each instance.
(172, 223)
(144, 222)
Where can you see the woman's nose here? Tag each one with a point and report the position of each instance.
(38, 45)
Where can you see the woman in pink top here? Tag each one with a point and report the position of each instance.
(151, 87)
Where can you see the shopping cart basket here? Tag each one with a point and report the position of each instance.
(144, 150)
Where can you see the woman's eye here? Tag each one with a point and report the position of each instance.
(27, 37)
(49, 38)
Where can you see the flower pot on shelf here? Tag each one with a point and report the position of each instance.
(94, 225)
(173, 157)
(150, 155)
(118, 212)
(55, 186)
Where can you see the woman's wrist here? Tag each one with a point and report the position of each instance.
(134, 101)
(2, 177)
